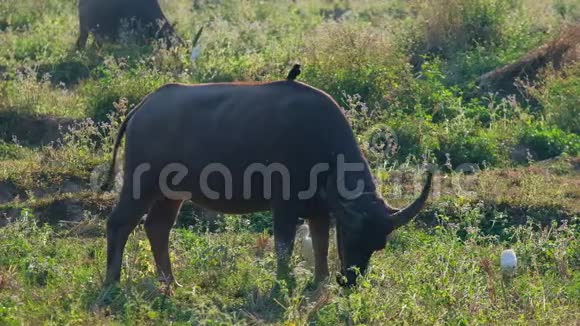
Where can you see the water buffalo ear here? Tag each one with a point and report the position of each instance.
(346, 213)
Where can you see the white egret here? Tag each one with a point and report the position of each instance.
(508, 262)
(306, 251)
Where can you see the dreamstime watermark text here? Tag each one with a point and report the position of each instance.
(266, 181)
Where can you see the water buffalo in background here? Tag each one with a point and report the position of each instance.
(198, 142)
(104, 19)
(562, 51)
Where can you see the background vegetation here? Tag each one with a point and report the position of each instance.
(406, 73)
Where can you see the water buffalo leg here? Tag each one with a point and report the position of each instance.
(82, 40)
(120, 224)
(284, 233)
(319, 230)
(158, 224)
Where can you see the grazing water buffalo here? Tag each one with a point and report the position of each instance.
(245, 147)
(558, 53)
(104, 19)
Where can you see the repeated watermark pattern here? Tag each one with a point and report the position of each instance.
(172, 176)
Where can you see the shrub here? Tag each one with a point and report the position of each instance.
(11, 151)
(433, 97)
(362, 61)
(450, 25)
(415, 138)
(29, 94)
(568, 9)
(474, 36)
(547, 142)
(119, 80)
(37, 30)
(475, 149)
(560, 98)
(17, 15)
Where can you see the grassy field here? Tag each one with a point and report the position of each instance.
(406, 73)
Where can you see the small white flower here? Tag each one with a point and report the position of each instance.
(508, 261)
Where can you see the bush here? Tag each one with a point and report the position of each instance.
(119, 80)
(30, 94)
(546, 142)
(415, 138)
(474, 36)
(17, 15)
(363, 62)
(568, 9)
(475, 149)
(560, 98)
(450, 25)
(10, 151)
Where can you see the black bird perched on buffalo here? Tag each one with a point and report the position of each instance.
(104, 19)
(294, 72)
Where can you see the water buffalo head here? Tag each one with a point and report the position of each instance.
(363, 225)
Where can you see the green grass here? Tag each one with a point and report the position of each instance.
(442, 269)
(405, 73)
(422, 277)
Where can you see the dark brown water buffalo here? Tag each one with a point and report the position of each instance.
(104, 19)
(246, 147)
(562, 51)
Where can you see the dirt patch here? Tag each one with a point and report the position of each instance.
(68, 72)
(3, 72)
(575, 161)
(33, 130)
(8, 192)
(13, 193)
(67, 185)
(558, 53)
(66, 209)
(69, 208)
(74, 208)
(496, 217)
